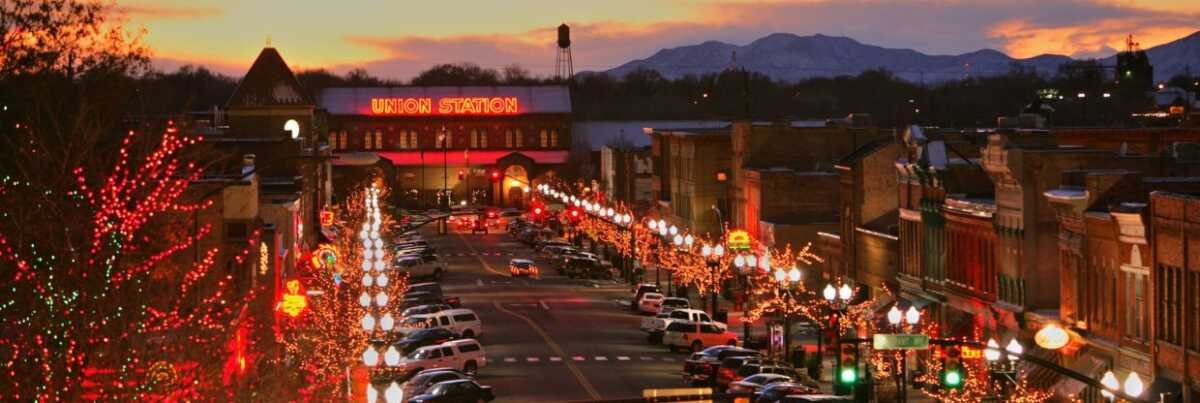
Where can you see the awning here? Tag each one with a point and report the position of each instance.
(1087, 364)
(355, 159)
(1036, 375)
(459, 157)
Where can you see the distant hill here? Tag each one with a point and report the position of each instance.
(790, 57)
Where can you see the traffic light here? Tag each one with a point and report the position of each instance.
(462, 175)
(537, 211)
(847, 373)
(953, 373)
(495, 176)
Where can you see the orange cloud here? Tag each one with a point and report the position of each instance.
(1021, 38)
(148, 12)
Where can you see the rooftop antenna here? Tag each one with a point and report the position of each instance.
(1130, 45)
(268, 41)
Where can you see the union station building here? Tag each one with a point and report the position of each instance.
(478, 145)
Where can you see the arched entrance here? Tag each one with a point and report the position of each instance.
(516, 180)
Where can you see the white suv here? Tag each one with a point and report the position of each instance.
(464, 354)
(654, 326)
(696, 336)
(420, 267)
(462, 322)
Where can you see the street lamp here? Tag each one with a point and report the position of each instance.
(1133, 385)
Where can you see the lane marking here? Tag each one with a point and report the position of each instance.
(543, 304)
(578, 358)
(583, 382)
(601, 358)
(510, 359)
(668, 359)
(645, 358)
(622, 358)
(532, 359)
(555, 359)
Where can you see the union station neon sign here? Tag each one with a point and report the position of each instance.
(445, 106)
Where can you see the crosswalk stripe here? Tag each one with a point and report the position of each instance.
(601, 358)
(578, 358)
(645, 358)
(555, 359)
(532, 359)
(622, 358)
(668, 359)
(510, 359)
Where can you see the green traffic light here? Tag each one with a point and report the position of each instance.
(952, 379)
(848, 375)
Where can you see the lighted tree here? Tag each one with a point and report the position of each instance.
(98, 302)
(328, 339)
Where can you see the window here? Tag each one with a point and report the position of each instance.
(704, 318)
(545, 139)
(474, 138)
(679, 315)
(483, 139)
(378, 139)
(508, 139)
(554, 138)
(520, 139)
(1135, 305)
(710, 329)
(235, 231)
(344, 137)
(447, 351)
(681, 327)
(445, 320)
(1169, 285)
(468, 347)
(367, 140)
(466, 317)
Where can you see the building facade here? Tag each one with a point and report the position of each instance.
(442, 145)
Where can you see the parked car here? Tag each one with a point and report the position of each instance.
(779, 391)
(638, 290)
(655, 326)
(424, 337)
(522, 267)
(754, 383)
(549, 242)
(479, 226)
(436, 290)
(466, 354)
(649, 303)
(462, 322)
(696, 335)
(553, 251)
(456, 391)
(700, 367)
(423, 380)
(420, 266)
(586, 268)
(736, 369)
(672, 303)
(424, 309)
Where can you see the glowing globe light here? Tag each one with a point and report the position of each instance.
(372, 394)
(674, 230)
(366, 243)
(368, 254)
(1133, 385)
(378, 244)
(719, 251)
(794, 274)
(366, 265)
(1014, 349)
(780, 276)
(381, 299)
(845, 292)
(387, 322)
(829, 292)
(751, 261)
(652, 224)
(705, 250)
(368, 281)
(739, 261)
(364, 299)
(689, 240)
(382, 280)
(374, 234)
(379, 265)
(368, 322)
(893, 315)
(393, 394)
(992, 352)
(370, 357)
(391, 357)
(1051, 337)
(912, 316)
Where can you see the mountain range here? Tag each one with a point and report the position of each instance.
(789, 57)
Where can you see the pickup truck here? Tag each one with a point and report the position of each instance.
(655, 326)
(427, 266)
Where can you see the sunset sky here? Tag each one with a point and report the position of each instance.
(396, 38)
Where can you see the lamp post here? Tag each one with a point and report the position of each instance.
(897, 319)
(786, 280)
(712, 255)
(838, 298)
(1002, 363)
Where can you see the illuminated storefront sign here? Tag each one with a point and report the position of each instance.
(738, 240)
(294, 301)
(445, 106)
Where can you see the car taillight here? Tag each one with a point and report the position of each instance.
(728, 373)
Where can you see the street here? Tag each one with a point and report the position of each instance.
(551, 338)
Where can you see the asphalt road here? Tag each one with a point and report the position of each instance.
(551, 338)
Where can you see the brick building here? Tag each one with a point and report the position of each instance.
(1176, 291)
(691, 176)
(627, 174)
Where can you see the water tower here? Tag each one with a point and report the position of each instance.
(563, 67)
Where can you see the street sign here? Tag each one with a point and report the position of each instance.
(900, 342)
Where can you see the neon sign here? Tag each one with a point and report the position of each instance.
(445, 106)
(294, 301)
(326, 218)
(325, 257)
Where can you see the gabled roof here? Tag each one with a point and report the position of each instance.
(269, 82)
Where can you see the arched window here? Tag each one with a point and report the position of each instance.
(367, 140)
(474, 138)
(378, 139)
(520, 137)
(545, 139)
(553, 138)
(508, 139)
(483, 138)
(345, 139)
